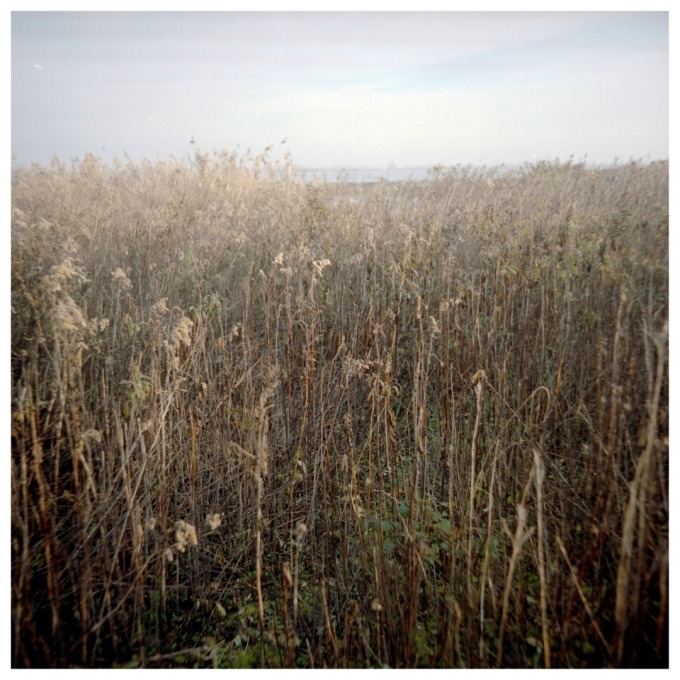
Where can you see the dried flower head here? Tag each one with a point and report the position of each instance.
(120, 279)
(68, 317)
(479, 377)
(185, 534)
(320, 265)
(62, 273)
(96, 326)
(160, 307)
(214, 521)
(181, 333)
(300, 531)
(356, 367)
(91, 435)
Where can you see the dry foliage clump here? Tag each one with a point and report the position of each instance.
(261, 422)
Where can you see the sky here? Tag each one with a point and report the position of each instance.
(343, 88)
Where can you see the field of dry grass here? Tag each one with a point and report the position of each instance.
(258, 422)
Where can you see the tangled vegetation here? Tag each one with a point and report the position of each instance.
(258, 422)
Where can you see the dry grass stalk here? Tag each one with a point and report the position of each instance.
(539, 477)
(519, 538)
(478, 380)
(638, 490)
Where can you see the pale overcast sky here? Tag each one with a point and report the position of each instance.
(344, 89)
